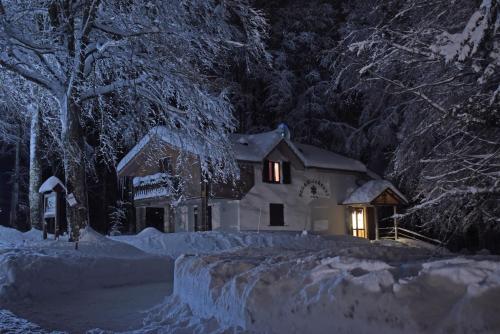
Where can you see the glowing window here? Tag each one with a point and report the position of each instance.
(358, 223)
(274, 172)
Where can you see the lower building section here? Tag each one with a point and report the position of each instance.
(319, 216)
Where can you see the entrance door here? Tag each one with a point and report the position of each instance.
(358, 222)
(154, 218)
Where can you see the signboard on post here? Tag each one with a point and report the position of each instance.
(71, 200)
(52, 190)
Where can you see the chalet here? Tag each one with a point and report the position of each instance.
(283, 186)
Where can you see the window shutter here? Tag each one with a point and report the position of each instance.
(287, 177)
(265, 171)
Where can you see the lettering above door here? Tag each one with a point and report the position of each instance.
(314, 189)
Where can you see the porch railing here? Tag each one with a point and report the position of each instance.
(150, 186)
(398, 232)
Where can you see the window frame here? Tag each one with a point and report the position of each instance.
(283, 169)
(271, 169)
(356, 230)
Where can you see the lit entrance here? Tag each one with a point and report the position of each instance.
(358, 222)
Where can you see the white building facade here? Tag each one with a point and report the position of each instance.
(284, 186)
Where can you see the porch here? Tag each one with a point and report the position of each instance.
(372, 210)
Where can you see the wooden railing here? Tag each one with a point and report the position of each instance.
(399, 232)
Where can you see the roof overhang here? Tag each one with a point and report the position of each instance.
(376, 193)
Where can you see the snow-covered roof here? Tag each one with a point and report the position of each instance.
(173, 137)
(253, 148)
(50, 184)
(370, 191)
(317, 157)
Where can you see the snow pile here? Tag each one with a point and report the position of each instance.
(10, 237)
(39, 269)
(176, 244)
(356, 289)
(91, 236)
(11, 324)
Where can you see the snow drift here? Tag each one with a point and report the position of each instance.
(363, 289)
(151, 240)
(39, 269)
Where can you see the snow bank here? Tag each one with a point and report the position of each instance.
(10, 237)
(11, 324)
(390, 291)
(39, 269)
(153, 241)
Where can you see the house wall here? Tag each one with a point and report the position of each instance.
(301, 210)
(225, 215)
(250, 211)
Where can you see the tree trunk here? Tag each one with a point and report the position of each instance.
(14, 203)
(35, 173)
(74, 166)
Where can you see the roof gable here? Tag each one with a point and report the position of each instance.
(161, 135)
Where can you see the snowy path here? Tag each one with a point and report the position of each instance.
(116, 309)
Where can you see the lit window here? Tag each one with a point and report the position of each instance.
(273, 174)
(358, 223)
(276, 174)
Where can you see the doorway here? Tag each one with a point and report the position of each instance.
(154, 218)
(358, 222)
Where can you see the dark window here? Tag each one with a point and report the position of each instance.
(165, 166)
(276, 214)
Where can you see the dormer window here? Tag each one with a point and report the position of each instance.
(276, 172)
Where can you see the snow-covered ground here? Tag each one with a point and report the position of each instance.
(106, 284)
(245, 282)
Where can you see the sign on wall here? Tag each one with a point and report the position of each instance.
(313, 189)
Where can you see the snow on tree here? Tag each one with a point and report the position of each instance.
(159, 55)
(439, 62)
(20, 128)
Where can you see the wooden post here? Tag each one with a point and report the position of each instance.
(57, 218)
(395, 223)
(375, 211)
(204, 206)
(44, 229)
